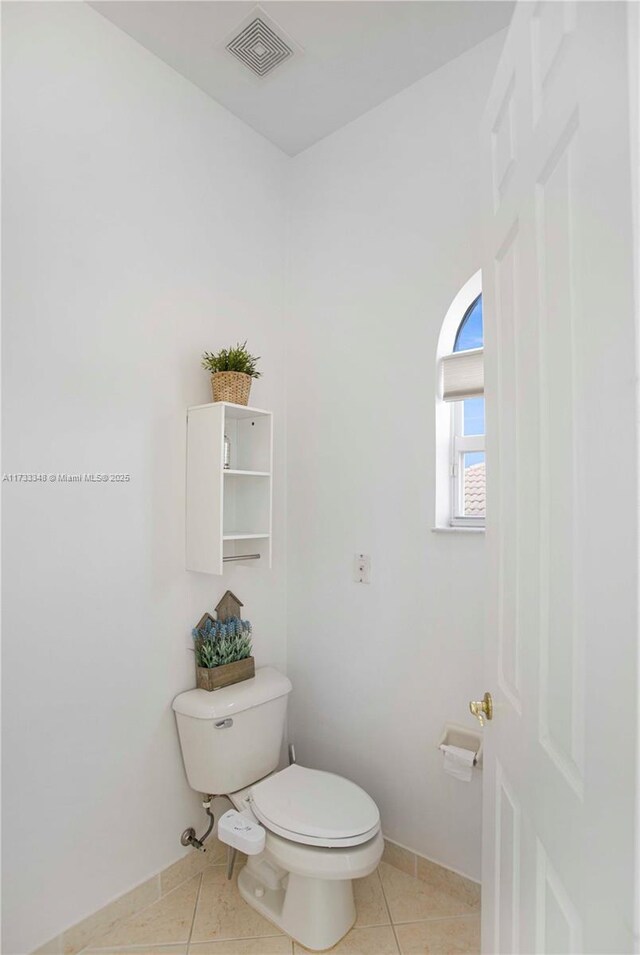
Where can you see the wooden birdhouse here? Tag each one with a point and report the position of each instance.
(228, 606)
(202, 621)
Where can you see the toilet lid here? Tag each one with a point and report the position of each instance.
(314, 807)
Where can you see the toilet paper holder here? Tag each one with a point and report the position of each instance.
(455, 735)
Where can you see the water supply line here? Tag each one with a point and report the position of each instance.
(189, 838)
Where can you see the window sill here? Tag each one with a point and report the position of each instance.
(457, 530)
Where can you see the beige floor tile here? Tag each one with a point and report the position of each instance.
(371, 908)
(190, 865)
(399, 857)
(97, 925)
(222, 913)
(445, 937)
(451, 882)
(277, 945)
(167, 921)
(376, 940)
(411, 900)
(217, 851)
(139, 950)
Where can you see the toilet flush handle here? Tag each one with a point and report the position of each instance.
(223, 724)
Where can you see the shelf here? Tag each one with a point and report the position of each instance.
(247, 473)
(220, 509)
(239, 412)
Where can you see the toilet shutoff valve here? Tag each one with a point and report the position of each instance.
(241, 832)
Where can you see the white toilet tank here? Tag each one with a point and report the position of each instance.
(232, 737)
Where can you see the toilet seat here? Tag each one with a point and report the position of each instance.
(315, 808)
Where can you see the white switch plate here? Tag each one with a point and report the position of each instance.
(362, 569)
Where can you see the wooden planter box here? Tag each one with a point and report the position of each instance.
(217, 677)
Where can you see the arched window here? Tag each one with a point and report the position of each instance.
(460, 414)
(471, 332)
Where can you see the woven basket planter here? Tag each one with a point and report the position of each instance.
(225, 675)
(232, 386)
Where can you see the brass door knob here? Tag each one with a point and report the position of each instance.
(482, 709)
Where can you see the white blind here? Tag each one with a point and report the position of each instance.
(463, 375)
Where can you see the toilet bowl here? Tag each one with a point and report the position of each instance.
(322, 831)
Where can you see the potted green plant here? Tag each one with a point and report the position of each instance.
(223, 652)
(232, 370)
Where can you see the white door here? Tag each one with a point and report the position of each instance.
(560, 354)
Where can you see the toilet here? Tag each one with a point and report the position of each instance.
(321, 830)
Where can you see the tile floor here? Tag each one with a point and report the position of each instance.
(397, 913)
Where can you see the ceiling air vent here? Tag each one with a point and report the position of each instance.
(259, 47)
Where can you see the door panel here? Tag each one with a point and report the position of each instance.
(508, 861)
(560, 372)
(510, 499)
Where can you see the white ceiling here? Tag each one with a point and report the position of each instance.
(355, 53)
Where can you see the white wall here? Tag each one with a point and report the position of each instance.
(142, 224)
(385, 229)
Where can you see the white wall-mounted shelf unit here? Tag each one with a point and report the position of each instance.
(229, 511)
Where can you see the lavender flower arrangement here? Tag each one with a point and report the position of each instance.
(218, 643)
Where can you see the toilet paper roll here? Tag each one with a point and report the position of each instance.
(458, 762)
